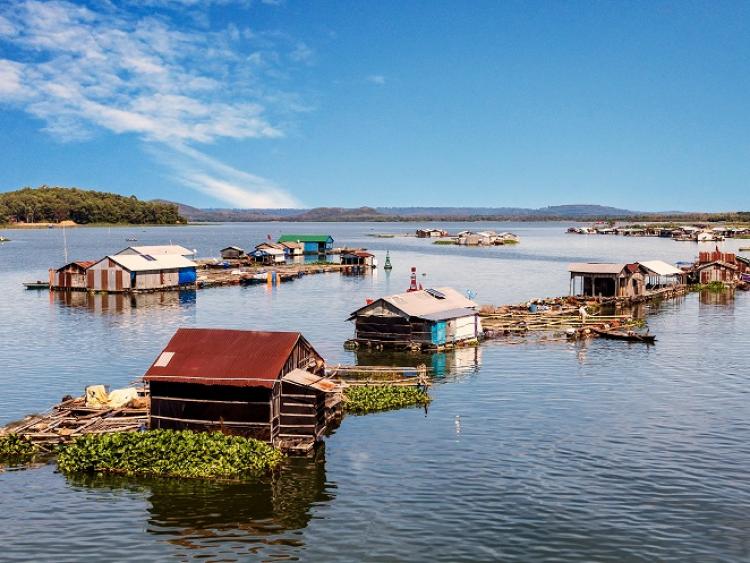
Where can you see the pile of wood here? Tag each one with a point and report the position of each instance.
(72, 418)
(522, 322)
(378, 375)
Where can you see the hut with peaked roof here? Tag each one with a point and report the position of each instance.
(269, 253)
(428, 318)
(232, 253)
(71, 277)
(606, 280)
(266, 385)
(358, 259)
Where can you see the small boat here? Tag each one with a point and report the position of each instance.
(4, 239)
(745, 249)
(131, 239)
(629, 336)
(36, 285)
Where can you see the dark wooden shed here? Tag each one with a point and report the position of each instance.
(266, 385)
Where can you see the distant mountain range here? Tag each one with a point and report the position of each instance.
(329, 214)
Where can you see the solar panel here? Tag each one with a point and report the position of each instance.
(435, 293)
(149, 257)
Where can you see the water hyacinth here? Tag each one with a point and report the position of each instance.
(361, 399)
(16, 447)
(170, 453)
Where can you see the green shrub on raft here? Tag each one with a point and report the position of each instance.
(169, 453)
(361, 399)
(14, 446)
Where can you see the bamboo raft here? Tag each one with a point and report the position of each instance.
(378, 375)
(72, 418)
(515, 322)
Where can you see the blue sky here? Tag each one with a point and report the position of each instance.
(284, 103)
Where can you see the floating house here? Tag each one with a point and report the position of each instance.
(269, 254)
(431, 233)
(660, 274)
(232, 253)
(717, 266)
(266, 385)
(485, 238)
(607, 280)
(358, 259)
(161, 250)
(292, 249)
(311, 244)
(428, 318)
(140, 272)
(71, 276)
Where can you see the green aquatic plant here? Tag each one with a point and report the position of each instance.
(445, 242)
(17, 447)
(361, 399)
(713, 287)
(169, 453)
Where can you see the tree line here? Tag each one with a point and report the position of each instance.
(55, 204)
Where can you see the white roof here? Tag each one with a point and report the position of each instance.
(162, 250)
(661, 268)
(594, 268)
(149, 263)
(269, 250)
(429, 301)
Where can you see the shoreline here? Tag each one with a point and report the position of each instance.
(34, 226)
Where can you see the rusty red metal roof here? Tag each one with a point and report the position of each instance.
(241, 358)
(85, 264)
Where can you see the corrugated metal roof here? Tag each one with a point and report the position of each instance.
(148, 263)
(83, 264)
(421, 303)
(159, 250)
(719, 263)
(305, 238)
(661, 268)
(451, 314)
(302, 377)
(241, 358)
(595, 268)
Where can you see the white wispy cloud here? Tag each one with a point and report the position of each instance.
(208, 175)
(377, 79)
(83, 70)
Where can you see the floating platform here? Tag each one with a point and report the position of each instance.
(72, 418)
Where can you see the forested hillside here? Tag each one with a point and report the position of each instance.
(54, 204)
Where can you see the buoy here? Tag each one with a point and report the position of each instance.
(387, 265)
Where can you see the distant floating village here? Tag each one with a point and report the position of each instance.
(680, 233)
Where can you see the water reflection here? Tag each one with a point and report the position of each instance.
(713, 298)
(122, 302)
(228, 520)
(446, 363)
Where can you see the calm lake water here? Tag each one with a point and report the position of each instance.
(598, 451)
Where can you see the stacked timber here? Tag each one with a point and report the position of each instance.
(72, 418)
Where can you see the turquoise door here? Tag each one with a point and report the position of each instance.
(438, 333)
